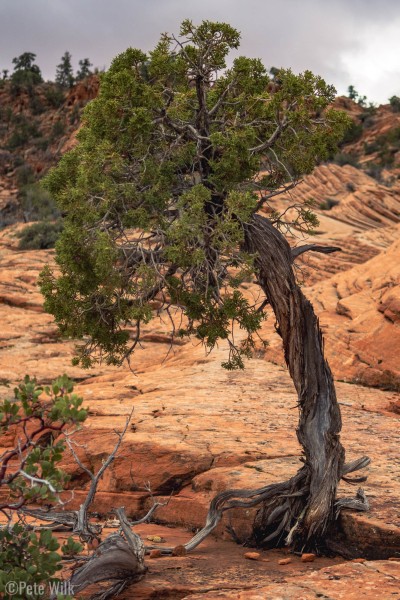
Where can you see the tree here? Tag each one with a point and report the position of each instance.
(355, 96)
(64, 72)
(84, 70)
(162, 198)
(26, 72)
(395, 103)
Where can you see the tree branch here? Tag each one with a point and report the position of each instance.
(295, 252)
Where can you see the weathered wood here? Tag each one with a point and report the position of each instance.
(116, 558)
(320, 420)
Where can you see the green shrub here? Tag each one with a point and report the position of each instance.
(352, 134)
(54, 95)
(42, 143)
(375, 170)
(36, 104)
(342, 158)
(24, 175)
(58, 129)
(395, 103)
(40, 236)
(24, 130)
(37, 203)
(328, 204)
(31, 474)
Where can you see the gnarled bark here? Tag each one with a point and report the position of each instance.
(320, 420)
(301, 509)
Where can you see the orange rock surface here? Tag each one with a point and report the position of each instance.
(198, 429)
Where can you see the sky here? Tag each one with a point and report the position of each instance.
(347, 42)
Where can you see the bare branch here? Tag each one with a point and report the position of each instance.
(314, 248)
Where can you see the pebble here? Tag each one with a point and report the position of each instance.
(252, 555)
(308, 557)
(284, 561)
(154, 554)
(179, 551)
(358, 560)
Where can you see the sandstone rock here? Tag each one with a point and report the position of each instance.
(284, 561)
(252, 555)
(308, 557)
(179, 551)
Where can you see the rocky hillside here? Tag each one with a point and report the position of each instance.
(36, 126)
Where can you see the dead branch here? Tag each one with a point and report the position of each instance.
(117, 558)
(78, 521)
(295, 252)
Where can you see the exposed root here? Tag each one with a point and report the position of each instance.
(280, 518)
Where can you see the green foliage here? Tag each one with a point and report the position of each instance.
(163, 181)
(395, 103)
(37, 203)
(352, 133)
(58, 129)
(385, 146)
(30, 471)
(24, 175)
(27, 558)
(64, 73)
(23, 131)
(354, 95)
(328, 204)
(40, 236)
(344, 158)
(54, 95)
(26, 73)
(84, 69)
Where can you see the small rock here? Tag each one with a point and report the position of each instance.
(358, 560)
(154, 554)
(307, 557)
(179, 551)
(252, 555)
(284, 561)
(394, 558)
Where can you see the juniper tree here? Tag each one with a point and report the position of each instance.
(26, 72)
(84, 69)
(64, 72)
(163, 199)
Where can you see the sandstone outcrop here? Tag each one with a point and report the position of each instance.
(198, 429)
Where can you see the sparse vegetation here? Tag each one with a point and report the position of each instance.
(30, 473)
(64, 73)
(84, 69)
(395, 103)
(26, 73)
(37, 203)
(344, 158)
(40, 236)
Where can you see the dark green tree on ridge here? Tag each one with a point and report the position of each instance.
(64, 72)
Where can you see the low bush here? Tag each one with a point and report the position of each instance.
(30, 475)
(40, 236)
(395, 103)
(37, 203)
(343, 158)
(54, 95)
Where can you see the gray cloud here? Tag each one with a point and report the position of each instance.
(332, 38)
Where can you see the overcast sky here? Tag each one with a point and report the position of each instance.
(345, 41)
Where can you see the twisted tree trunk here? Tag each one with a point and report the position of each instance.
(320, 420)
